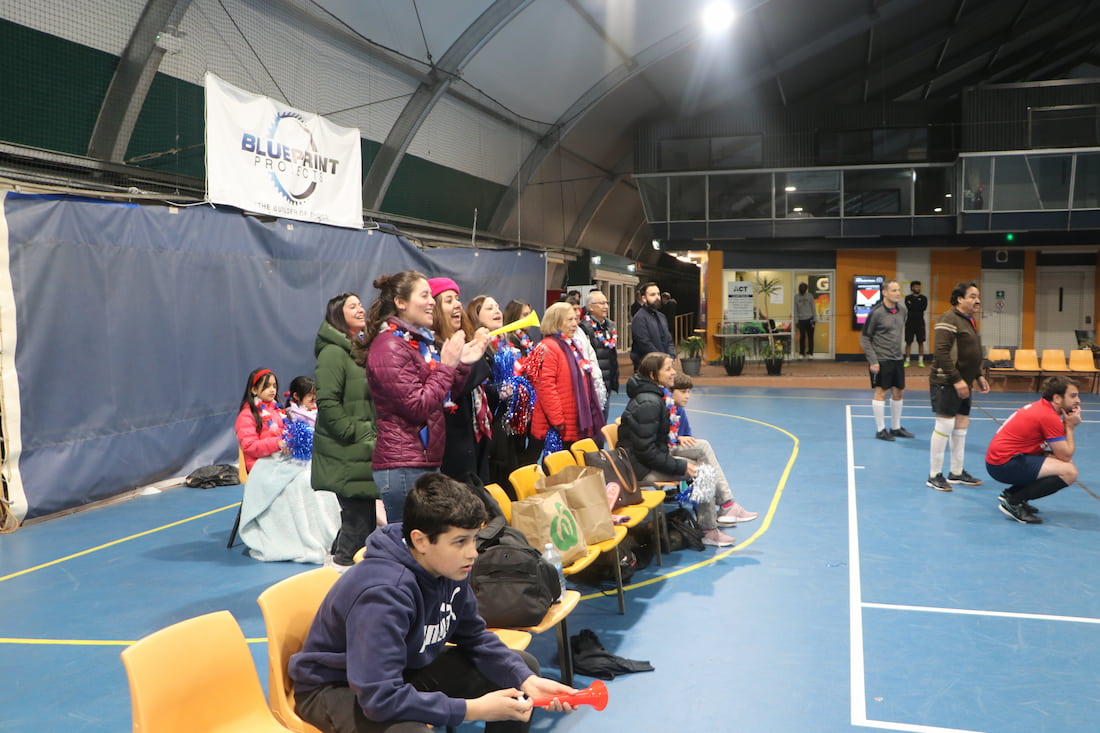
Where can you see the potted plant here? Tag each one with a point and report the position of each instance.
(733, 357)
(773, 355)
(692, 349)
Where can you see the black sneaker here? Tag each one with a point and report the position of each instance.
(1031, 508)
(938, 482)
(963, 478)
(884, 434)
(901, 433)
(1016, 511)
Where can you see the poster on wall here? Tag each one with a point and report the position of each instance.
(265, 157)
(868, 292)
(739, 306)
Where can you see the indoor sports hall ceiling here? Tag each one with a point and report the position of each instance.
(542, 98)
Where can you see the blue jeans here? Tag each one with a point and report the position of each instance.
(394, 483)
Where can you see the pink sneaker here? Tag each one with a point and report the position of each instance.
(717, 538)
(735, 513)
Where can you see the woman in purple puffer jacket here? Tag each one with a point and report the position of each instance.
(411, 382)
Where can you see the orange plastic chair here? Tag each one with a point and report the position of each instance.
(999, 373)
(558, 460)
(611, 435)
(197, 675)
(288, 608)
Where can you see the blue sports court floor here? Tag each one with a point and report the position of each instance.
(859, 600)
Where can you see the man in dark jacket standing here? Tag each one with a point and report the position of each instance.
(600, 330)
(649, 327)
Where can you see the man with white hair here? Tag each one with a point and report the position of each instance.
(601, 333)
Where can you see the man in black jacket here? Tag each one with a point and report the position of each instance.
(600, 330)
(649, 327)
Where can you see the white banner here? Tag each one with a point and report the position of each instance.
(265, 157)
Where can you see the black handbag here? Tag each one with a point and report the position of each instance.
(617, 470)
(513, 585)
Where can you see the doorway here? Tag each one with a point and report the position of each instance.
(821, 284)
(1063, 304)
(1002, 303)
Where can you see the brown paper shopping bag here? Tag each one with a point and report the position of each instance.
(546, 518)
(586, 497)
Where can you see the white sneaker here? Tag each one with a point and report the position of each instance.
(717, 538)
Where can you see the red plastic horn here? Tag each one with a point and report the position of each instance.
(594, 695)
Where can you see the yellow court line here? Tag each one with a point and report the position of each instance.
(90, 642)
(736, 548)
(117, 542)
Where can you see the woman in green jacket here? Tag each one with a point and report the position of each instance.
(344, 439)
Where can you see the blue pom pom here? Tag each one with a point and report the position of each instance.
(299, 439)
(553, 442)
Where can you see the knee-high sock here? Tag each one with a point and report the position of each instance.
(958, 448)
(879, 408)
(940, 435)
(895, 413)
(1036, 489)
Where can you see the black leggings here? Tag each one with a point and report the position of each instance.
(358, 519)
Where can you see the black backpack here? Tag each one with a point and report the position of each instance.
(683, 531)
(513, 585)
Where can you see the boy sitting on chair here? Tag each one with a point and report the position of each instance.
(375, 660)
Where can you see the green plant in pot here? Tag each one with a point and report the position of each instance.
(733, 357)
(773, 355)
(692, 350)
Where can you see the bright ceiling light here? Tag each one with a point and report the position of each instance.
(656, 244)
(790, 189)
(718, 17)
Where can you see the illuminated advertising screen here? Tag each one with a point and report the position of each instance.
(868, 290)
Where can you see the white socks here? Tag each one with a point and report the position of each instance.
(895, 413)
(879, 408)
(940, 434)
(958, 447)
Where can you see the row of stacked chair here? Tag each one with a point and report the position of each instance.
(1030, 366)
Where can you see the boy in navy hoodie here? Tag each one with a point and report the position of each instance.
(375, 658)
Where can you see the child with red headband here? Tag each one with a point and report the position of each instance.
(260, 423)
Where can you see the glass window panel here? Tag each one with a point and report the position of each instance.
(934, 191)
(806, 194)
(654, 193)
(746, 196)
(878, 192)
(975, 183)
(687, 198)
(1031, 182)
(1086, 187)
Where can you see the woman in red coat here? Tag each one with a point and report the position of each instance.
(566, 401)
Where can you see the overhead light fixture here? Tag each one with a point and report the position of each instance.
(596, 259)
(947, 195)
(656, 244)
(790, 189)
(937, 210)
(717, 17)
(797, 209)
(631, 267)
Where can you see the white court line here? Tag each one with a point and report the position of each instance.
(855, 613)
(975, 612)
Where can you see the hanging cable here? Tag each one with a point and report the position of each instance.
(427, 50)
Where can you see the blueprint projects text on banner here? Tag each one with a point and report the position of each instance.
(265, 157)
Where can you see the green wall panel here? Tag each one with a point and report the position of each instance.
(433, 192)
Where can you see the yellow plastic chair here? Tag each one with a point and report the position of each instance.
(503, 500)
(1027, 365)
(1081, 363)
(1054, 360)
(242, 474)
(514, 638)
(555, 619)
(558, 460)
(288, 608)
(582, 446)
(523, 480)
(611, 435)
(999, 373)
(197, 675)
